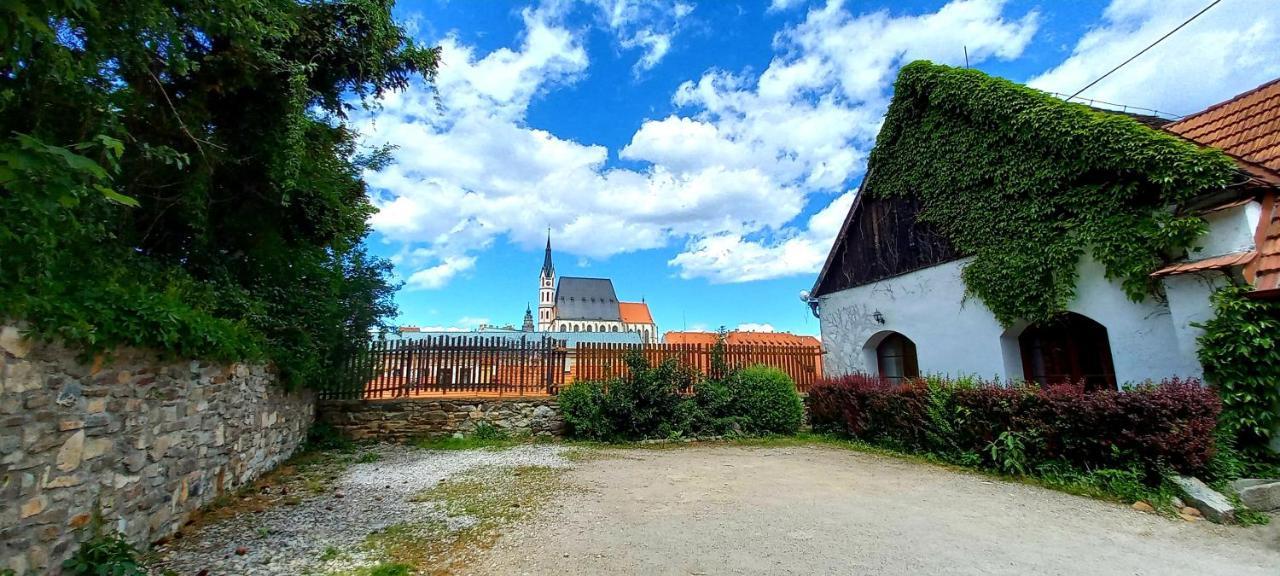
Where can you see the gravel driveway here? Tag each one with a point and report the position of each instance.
(818, 510)
(323, 533)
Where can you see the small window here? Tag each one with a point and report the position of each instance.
(564, 328)
(896, 357)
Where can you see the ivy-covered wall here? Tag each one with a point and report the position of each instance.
(1026, 184)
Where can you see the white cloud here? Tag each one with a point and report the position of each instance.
(783, 5)
(728, 176)
(442, 329)
(464, 324)
(645, 25)
(440, 274)
(728, 257)
(753, 327)
(1230, 49)
(812, 117)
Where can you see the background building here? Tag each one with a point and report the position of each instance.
(576, 304)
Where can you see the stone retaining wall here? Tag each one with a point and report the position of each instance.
(405, 419)
(143, 441)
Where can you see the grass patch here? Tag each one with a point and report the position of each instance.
(390, 570)
(477, 505)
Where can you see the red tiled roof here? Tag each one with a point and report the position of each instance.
(1267, 273)
(1246, 126)
(635, 313)
(738, 337)
(689, 338)
(1215, 263)
(771, 339)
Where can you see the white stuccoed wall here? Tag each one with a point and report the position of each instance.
(1152, 339)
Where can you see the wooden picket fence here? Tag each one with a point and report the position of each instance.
(533, 366)
(453, 365)
(599, 361)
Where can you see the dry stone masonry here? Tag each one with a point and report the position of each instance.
(141, 441)
(406, 419)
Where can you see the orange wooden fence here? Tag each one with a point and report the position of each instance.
(534, 366)
(597, 361)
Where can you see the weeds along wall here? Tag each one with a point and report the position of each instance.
(141, 441)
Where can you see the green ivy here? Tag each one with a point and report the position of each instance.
(1027, 184)
(1240, 352)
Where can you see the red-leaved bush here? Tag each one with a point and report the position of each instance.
(1168, 424)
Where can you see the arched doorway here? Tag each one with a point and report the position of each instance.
(896, 358)
(1071, 348)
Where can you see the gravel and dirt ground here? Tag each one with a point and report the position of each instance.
(328, 515)
(689, 509)
(820, 510)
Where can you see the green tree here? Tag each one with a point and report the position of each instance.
(182, 175)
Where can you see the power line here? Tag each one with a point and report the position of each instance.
(1152, 45)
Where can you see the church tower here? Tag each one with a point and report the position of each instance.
(528, 320)
(547, 291)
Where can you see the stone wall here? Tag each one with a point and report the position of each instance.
(143, 441)
(406, 419)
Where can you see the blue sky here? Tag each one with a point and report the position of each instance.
(703, 154)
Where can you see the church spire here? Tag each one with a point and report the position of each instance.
(548, 270)
(528, 319)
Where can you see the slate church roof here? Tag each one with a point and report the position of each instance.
(548, 269)
(586, 299)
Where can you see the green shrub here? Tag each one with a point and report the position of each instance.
(766, 399)
(713, 410)
(582, 406)
(230, 227)
(105, 554)
(653, 402)
(646, 402)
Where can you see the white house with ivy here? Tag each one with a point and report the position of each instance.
(1001, 232)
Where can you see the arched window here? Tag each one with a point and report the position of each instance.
(615, 328)
(896, 358)
(589, 328)
(1071, 348)
(564, 328)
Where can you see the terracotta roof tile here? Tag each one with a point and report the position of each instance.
(771, 339)
(1247, 126)
(689, 338)
(738, 337)
(1217, 262)
(1267, 275)
(635, 313)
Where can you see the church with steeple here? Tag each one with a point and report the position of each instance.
(576, 304)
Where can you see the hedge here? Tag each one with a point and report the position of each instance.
(1165, 425)
(654, 402)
